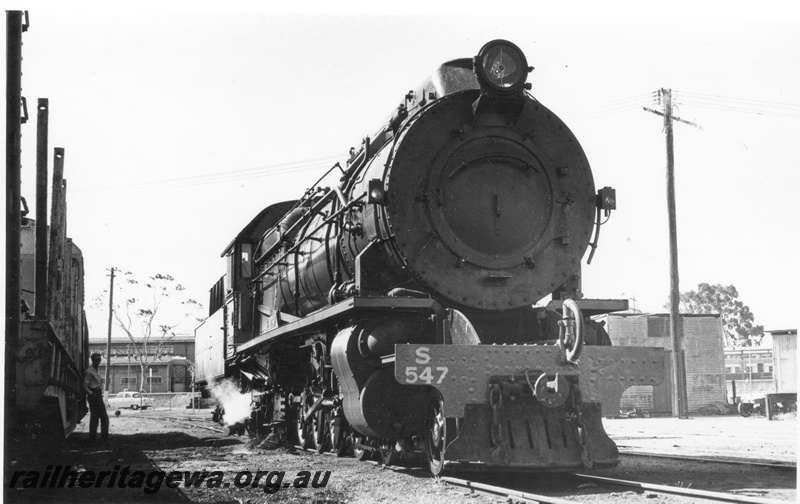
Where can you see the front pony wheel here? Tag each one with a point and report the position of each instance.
(436, 434)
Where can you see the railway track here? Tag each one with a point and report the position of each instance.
(788, 466)
(504, 492)
(695, 494)
(185, 421)
(652, 490)
(773, 464)
(575, 479)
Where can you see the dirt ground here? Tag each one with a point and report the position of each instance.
(712, 436)
(142, 441)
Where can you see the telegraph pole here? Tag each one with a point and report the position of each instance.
(110, 314)
(679, 396)
(679, 406)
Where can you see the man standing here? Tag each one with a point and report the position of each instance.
(93, 386)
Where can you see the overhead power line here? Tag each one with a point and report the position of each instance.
(687, 98)
(741, 105)
(610, 107)
(745, 101)
(615, 106)
(319, 163)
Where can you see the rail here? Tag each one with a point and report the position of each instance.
(685, 492)
(775, 464)
(505, 492)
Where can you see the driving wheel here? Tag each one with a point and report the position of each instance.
(359, 446)
(319, 428)
(303, 431)
(340, 441)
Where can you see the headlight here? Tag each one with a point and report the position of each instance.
(501, 67)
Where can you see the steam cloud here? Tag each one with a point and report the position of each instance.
(236, 404)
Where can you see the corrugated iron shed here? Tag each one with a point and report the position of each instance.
(784, 355)
(703, 346)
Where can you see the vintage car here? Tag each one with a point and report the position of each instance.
(130, 399)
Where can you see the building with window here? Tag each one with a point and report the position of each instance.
(178, 345)
(170, 372)
(753, 372)
(750, 371)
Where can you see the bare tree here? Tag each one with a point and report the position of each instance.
(150, 313)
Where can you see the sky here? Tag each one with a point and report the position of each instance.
(180, 122)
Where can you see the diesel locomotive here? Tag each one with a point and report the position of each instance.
(401, 311)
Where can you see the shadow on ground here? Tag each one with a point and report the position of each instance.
(117, 472)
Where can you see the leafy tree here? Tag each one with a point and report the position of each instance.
(738, 321)
(149, 313)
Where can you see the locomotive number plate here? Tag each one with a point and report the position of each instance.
(422, 373)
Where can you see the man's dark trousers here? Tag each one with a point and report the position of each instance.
(97, 410)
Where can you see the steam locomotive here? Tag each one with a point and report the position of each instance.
(395, 313)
